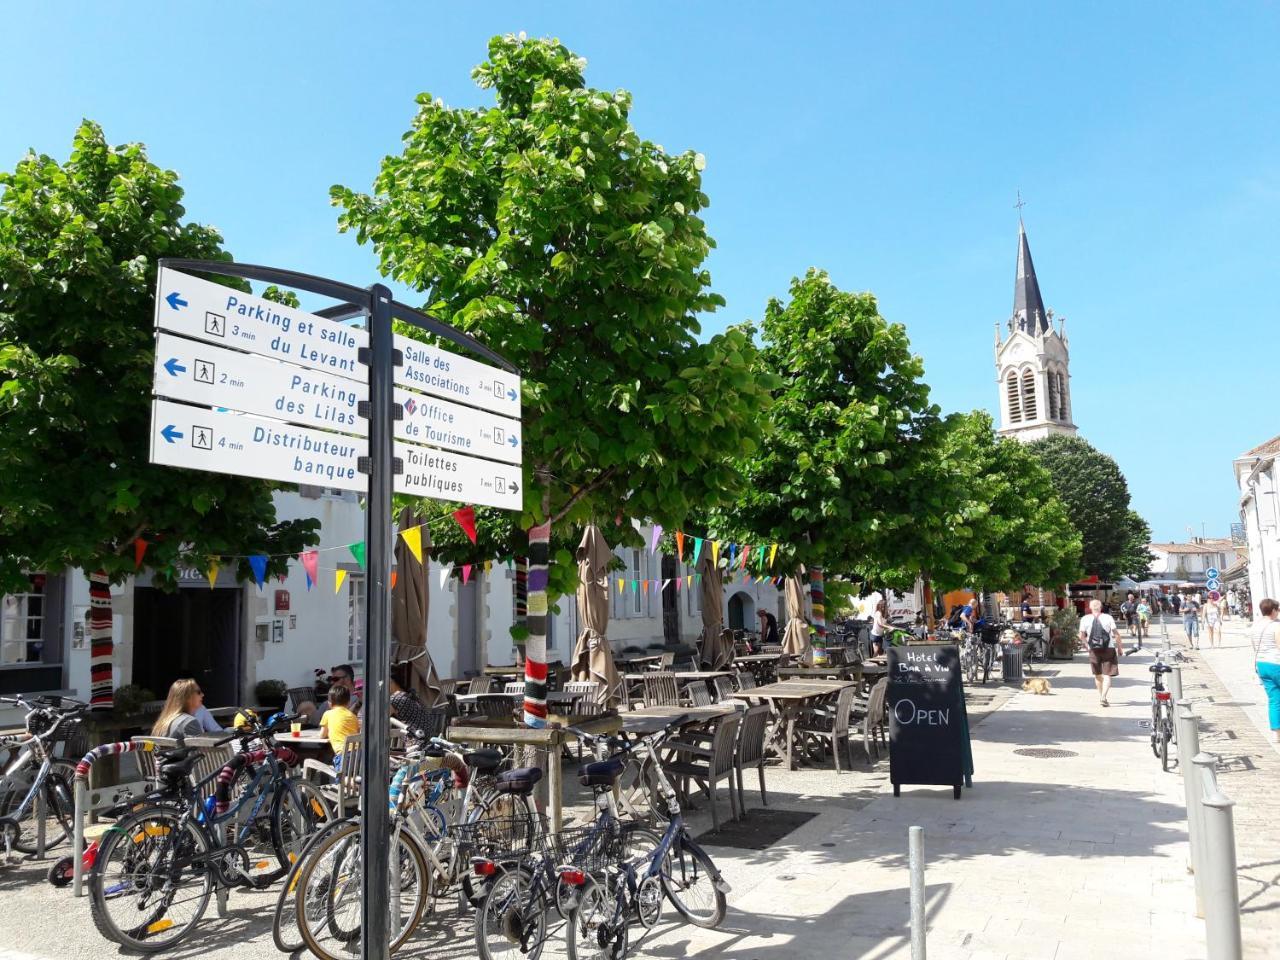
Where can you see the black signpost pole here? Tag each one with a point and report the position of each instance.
(375, 821)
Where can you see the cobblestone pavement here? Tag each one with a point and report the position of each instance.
(1073, 856)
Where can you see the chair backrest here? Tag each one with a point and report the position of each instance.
(480, 685)
(212, 759)
(724, 687)
(687, 665)
(666, 660)
(746, 680)
(699, 695)
(494, 705)
(724, 746)
(877, 704)
(448, 687)
(771, 648)
(581, 686)
(300, 695)
(835, 656)
(755, 722)
(515, 686)
(844, 704)
(660, 689)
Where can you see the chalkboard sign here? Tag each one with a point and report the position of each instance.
(928, 728)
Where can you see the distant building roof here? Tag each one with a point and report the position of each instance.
(1268, 449)
(1029, 313)
(1208, 545)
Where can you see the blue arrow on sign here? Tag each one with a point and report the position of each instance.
(511, 394)
(174, 367)
(513, 441)
(175, 300)
(171, 434)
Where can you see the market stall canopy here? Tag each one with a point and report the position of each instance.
(795, 641)
(717, 650)
(592, 658)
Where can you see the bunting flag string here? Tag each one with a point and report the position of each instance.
(773, 552)
(413, 540)
(310, 564)
(212, 572)
(139, 551)
(466, 572)
(715, 552)
(339, 576)
(394, 578)
(680, 546)
(258, 565)
(657, 535)
(358, 551)
(445, 572)
(466, 518)
(697, 549)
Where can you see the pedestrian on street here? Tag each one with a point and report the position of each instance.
(1213, 621)
(1191, 621)
(1098, 630)
(1144, 621)
(1177, 604)
(1129, 610)
(1266, 660)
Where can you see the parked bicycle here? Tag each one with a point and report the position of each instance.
(37, 785)
(157, 868)
(1162, 727)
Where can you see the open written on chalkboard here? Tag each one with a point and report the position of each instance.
(928, 729)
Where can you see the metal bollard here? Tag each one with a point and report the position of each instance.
(1175, 684)
(1188, 747)
(1218, 864)
(919, 917)
(77, 844)
(42, 815)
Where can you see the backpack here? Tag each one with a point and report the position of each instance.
(1099, 639)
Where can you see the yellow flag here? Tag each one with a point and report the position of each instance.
(413, 540)
(620, 585)
(715, 552)
(773, 552)
(338, 576)
(488, 565)
(212, 572)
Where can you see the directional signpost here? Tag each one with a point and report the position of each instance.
(1212, 583)
(250, 387)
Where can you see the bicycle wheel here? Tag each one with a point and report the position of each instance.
(969, 660)
(512, 919)
(297, 810)
(284, 925)
(144, 892)
(59, 805)
(597, 929)
(692, 885)
(1166, 734)
(1155, 729)
(330, 886)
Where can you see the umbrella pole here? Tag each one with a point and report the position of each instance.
(818, 600)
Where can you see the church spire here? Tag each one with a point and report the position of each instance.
(1028, 306)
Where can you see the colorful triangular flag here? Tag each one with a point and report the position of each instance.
(311, 566)
(339, 576)
(621, 585)
(258, 564)
(773, 552)
(680, 546)
(697, 549)
(466, 572)
(466, 518)
(657, 535)
(413, 540)
(212, 572)
(715, 552)
(358, 551)
(445, 573)
(733, 555)
(395, 575)
(139, 551)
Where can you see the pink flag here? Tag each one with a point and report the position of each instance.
(311, 564)
(657, 535)
(466, 572)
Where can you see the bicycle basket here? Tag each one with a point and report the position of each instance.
(590, 849)
(990, 634)
(495, 838)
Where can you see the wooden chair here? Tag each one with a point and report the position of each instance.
(661, 690)
(829, 722)
(343, 783)
(212, 759)
(448, 688)
(708, 765)
(493, 705)
(724, 688)
(687, 665)
(584, 691)
(666, 660)
(513, 687)
(875, 718)
(699, 695)
(751, 741)
(746, 680)
(481, 685)
(300, 695)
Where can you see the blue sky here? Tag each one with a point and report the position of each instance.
(883, 142)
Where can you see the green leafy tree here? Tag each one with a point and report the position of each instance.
(79, 243)
(546, 226)
(1135, 559)
(1096, 496)
(846, 419)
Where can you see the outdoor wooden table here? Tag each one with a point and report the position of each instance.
(550, 738)
(559, 697)
(514, 670)
(788, 698)
(307, 739)
(762, 666)
(844, 671)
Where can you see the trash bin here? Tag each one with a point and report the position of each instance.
(1011, 662)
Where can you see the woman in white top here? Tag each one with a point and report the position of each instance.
(1213, 621)
(879, 622)
(1266, 656)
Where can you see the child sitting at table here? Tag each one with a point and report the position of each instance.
(339, 722)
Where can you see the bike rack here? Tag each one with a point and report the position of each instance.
(89, 801)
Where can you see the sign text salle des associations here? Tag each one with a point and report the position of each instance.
(271, 381)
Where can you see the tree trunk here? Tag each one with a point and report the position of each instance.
(928, 602)
(535, 646)
(101, 647)
(818, 600)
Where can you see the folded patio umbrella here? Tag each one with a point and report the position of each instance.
(592, 658)
(409, 615)
(717, 650)
(795, 640)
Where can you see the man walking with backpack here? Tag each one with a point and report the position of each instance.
(1098, 630)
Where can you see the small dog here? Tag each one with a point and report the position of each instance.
(1037, 685)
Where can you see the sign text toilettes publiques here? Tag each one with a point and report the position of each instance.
(265, 412)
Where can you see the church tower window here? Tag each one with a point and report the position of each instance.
(1028, 395)
(1014, 397)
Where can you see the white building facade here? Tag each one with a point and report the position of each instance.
(1257, 479)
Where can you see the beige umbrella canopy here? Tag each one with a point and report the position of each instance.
(409, 615)
(717, 650)
(592, 658)
(795, 641)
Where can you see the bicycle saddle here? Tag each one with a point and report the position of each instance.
(1160, 668)
(522, 780)
(483, 761)
(602, 773)
(177, 764)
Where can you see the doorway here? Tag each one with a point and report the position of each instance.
(470, 653)
(742, 610)
(189, 633)
(670, 606)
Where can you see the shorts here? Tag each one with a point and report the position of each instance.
(1103, 662)
(1191, 625)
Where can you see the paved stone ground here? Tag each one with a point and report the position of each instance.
(1228, 697)
(1081, 856)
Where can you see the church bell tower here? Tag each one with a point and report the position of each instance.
(1032, 362)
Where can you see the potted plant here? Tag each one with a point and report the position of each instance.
(128, 700)
(1064, 633)
(271, 694)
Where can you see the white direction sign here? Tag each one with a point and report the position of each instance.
(214, 376)
(199, 438)
(225, 317)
